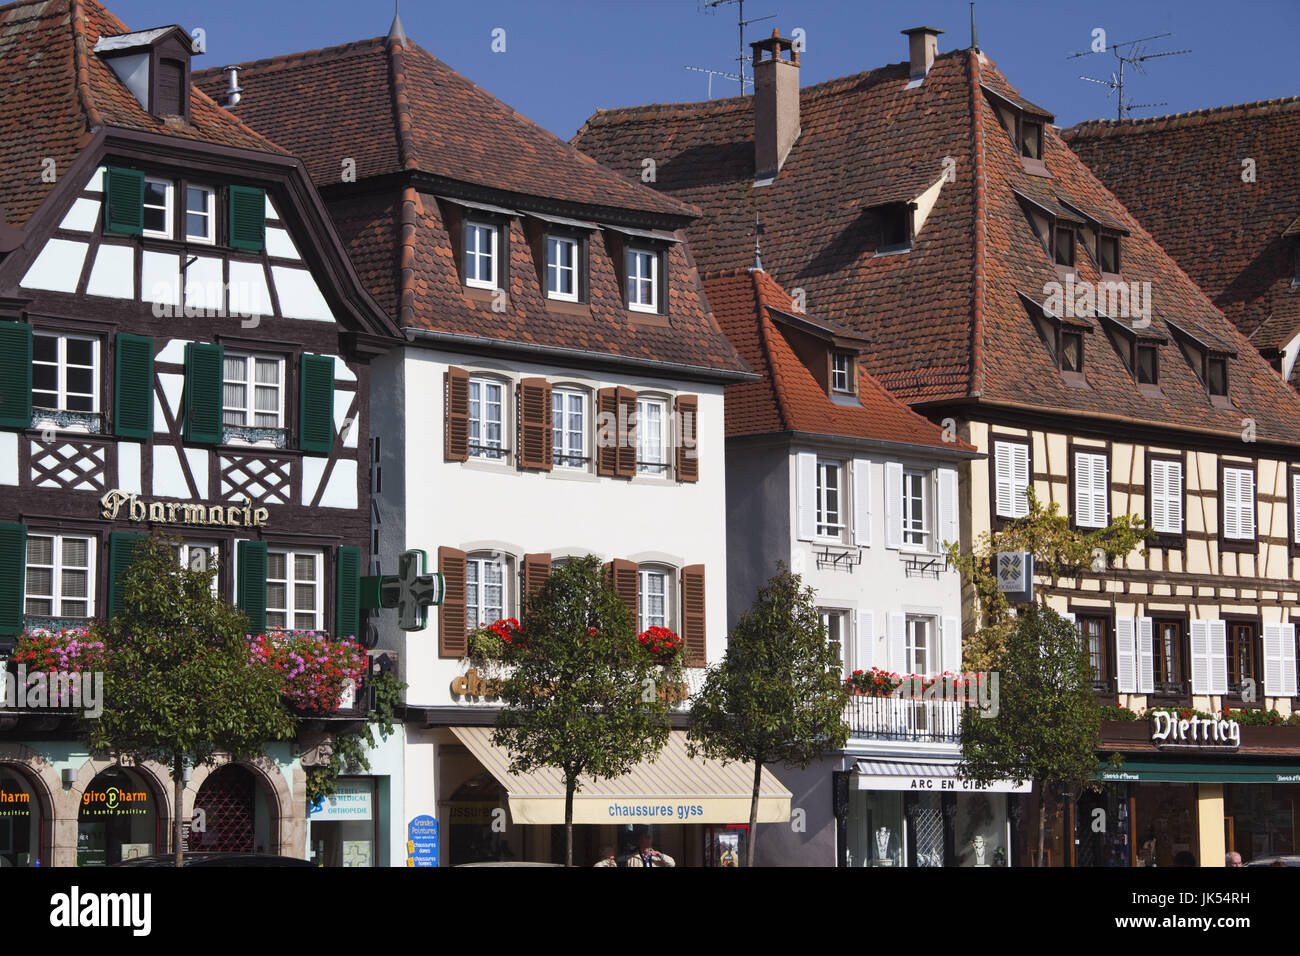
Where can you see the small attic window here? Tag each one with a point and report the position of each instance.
(154, 65)
(1065, 240)
(1216, 375)
(1108, 253)
(895, 228)
(842, 372)
(1031, 139)
(1148, 365)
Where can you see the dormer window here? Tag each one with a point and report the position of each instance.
(1063, 340)
(1139, 350)
(1216, 376)
(154, 65)
(1031, 139)
(481, 255)
(1071, 351)
(1065, 242)
(562, 268)
(1108, 254)
(1148, 365)
(643, 280)
(842, 372)
(894, 228)
(1209, 360)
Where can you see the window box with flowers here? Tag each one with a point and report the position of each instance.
(873, 683)
(46, 654)
(318, 672)
(663, 644)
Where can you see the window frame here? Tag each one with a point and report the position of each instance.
(1256, 647)
(999, 520)
(210, 213)
(291, 582)
(646, 467)
(184, 553)
(1212, 358)
(850, 384)
(820, 491)
(481, 451)
(1023, 141)
(251, 384)
(643, 573)
(168, 207)
(57, 569)
(927, 504)
(845, 642)
(1062, 335)
(561, 455)
(1103, 235)
(1105, 685)
(1239, 545)
(478, 561)
(493, 255)
(1060, 229)
(60, 366)
(1167, 539)
(635, 281)
(576, 266)
(1099, 452)
(1181, 674)
(910, 624)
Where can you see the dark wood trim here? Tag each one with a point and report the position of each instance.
(998, 522)
(1184, 671)
(1167, 542)
(1072, 447)
(1109, 669)
(1242, 545)
(1257, 651)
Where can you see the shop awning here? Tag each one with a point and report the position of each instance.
(672, 789)
(1159, 771)
(925, 778)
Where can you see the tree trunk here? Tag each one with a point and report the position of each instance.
(178, 816)
(753, 814)
(1042, 822)
(569, 786)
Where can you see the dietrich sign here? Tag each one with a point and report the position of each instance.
(1168, 731)
(118, 505)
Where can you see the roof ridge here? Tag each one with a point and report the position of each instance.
(1133, 124)
(765, 339)
(395, 51)
(81, 63)
(283, 60)
(979, 238)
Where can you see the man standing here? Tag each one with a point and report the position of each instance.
(647, 855)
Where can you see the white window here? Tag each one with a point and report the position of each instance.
(651, 437)
(841, 376)
(918, 645)
(485, 589)
(487, 419)
(1167, 496)
(201, 214)
(562, 268)
(835, 624)
(294, 590)
(830, 499)
(158, 200)
(916, 509)
(1295, 508)
(253, 391)
(1239, 504)
(60, 576)
(1011, 467)
(568, 428)
(481, 255)
(65, 373)
(1091, 494)
(652, 599)
(642, 280)
(199, 556)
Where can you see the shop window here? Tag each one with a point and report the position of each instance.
(118, 819)
(344, 825)
(1165, 824)
(980, 830)
(24, 829)
(875, 828)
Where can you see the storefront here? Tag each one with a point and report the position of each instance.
(119, 818)
(345, 826)
(24, 821)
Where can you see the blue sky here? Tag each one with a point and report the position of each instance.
(563, 59)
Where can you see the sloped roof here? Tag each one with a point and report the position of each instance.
(393, 107)
(55, 92)
(789, 398)
(1181, 176)
(945, 318)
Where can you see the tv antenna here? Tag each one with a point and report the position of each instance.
(712, 74)
(1134, 58)
(709, 6)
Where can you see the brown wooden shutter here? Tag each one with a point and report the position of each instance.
(606, 441)
(537, 568)
(688, 462)
(624, 577)
(627, 433)
(535, 443)
(693, 642)
(452, 637)
(456, 437)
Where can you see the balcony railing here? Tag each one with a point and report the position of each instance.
(904, 718)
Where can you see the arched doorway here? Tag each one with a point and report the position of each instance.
(24, 820)
(118, 818)
(238, 815)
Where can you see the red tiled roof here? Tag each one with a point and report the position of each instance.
(1181, 175)
(55, 92)
(946, 319)
(789, 398)
(393, 107)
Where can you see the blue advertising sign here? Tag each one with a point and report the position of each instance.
(422, 841)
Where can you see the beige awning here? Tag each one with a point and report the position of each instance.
(672, 789)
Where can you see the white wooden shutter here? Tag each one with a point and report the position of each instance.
(950, 642)
(1091, 500)
(1011, 479)
(862, 502)
(893, 504)
(1247, 505)
(1238, 503)
(1218, 657)
(1145, 656)
(864, 641)
(806, 495)
(1295, 508)
(1200, 657)
(949, 524)
(1167, 496)
(1288, 683)
(1125, 656)
(1272, 660)
(897, 650)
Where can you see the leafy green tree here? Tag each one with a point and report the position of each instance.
(1046, 725)
(777, 695)
(580, 692)
(179, 686)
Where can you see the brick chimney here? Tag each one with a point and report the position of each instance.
(923, 47)
(776, 105)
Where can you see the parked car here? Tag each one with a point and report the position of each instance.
(217, 859)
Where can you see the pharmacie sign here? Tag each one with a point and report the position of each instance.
(1170, 732)
(118, 505)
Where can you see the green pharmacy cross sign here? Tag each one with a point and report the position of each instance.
(412, 591)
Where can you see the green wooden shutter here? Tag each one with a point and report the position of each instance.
(13, 574)
(121, 555)
(348, 608)
(124, 202)
(133, 394)
(250, 588)
(247, 218)
(203, 373)
(316, 404)
(15, 375)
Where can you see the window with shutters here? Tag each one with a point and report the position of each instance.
(159, 200)
(295, 590)
(836, 625)
(199, 556)
(830, 499)
(201, 214)
(643, 280)
(1237, 508)
(65, 373)
(1165, 497)
(916, 510)
(1094, 632)
(1091, 490)
(1244, 658)
(1168, 655)
(653, 598)
(919, 646)
(487, 597)
(652, 437)
(252, 390)
(562, 258)
(1011, 479)
(569, 428)
(60, 576)
(482, 255)
(487, 421)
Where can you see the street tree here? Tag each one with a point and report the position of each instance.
(777, 695)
